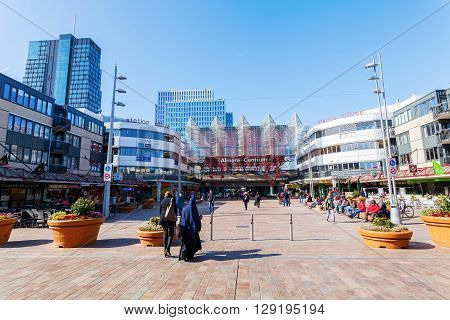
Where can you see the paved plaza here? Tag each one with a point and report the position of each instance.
(325, 261)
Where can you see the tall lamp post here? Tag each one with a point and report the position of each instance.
(395, 214)
(107, 188)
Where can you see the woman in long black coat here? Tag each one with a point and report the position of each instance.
(168, 226)
(190, 226)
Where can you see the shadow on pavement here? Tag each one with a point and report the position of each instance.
(26, 243)
(420, 245)
(232, 255)
(114, 243)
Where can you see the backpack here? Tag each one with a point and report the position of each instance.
(170, 214)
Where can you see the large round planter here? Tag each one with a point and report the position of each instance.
(151, 238)
(75, 233)
(126, 209)
(148, 203)
(5, 229)
(389, 240)
(439, 229)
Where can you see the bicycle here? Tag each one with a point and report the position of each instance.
(406, 211)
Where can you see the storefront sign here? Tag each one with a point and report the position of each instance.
(413, 168)
(141, 121)
(63, 186)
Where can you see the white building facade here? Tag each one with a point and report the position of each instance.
(146, 151)
(340, 148)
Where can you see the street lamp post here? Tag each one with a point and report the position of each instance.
(395, 216)
(107, 188)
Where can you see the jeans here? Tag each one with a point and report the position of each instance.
(168, 235)
(352, 212)
(211, 207)
(331, 212)
(301, 199)
(245, 204)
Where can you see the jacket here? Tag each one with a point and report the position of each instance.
(163, 206)
(329, 204)
(373, 208)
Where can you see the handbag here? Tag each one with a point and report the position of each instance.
(170, 214)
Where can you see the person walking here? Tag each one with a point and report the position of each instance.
(257, 199)
(329, 207)
(246, 199)
(180, 203)
(168, 220)
(301, 197)
(211, 198)
(190, 227)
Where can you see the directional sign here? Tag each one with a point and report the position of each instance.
(107, 174)
(392, 163)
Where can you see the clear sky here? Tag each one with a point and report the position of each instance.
(261, 56)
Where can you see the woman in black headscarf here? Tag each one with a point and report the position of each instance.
(190, 226)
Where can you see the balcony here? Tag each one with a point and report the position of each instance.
(59, 147)
(441, 111)
(444, 136)
(61, 124)
(57, 168)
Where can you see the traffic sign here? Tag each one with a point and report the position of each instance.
(107, 171)
(393, 171)
(392, 163)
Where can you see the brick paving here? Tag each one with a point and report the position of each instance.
(325, 261)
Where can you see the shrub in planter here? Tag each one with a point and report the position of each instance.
(151, 233)
(382, 233)
(7, 222)
(76, 228)
(438, 221)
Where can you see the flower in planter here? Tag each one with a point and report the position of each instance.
(151, 225)
(5, 216)
(384, 225)
(443, 211)
(80, 210)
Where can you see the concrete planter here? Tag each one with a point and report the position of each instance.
(126, 208)
(5, 229)
(148, 203)
(151, 238)
(439, 229)
(389, 240)
(75, 233)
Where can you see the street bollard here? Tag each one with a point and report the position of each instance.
(211, 223)
(251, 229)
(291, 229)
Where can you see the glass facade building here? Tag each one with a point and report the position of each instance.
(176, 107)
(67, 69)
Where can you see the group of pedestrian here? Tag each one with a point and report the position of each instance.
(343, 206)
(284, 198)
(189, 226)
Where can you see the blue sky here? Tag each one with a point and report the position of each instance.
(261, 56)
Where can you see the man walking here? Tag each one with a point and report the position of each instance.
(211, 199)
(329, 206)
(246, 199)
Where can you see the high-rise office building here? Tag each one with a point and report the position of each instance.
(175, 107)
(67, 69)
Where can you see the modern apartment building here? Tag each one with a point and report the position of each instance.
(176, 107)
(64, 142)
(422, 130)
(146, 152)
(67, 69)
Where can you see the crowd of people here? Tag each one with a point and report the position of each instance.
(350, 207)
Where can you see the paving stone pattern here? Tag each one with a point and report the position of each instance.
(325, 261)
